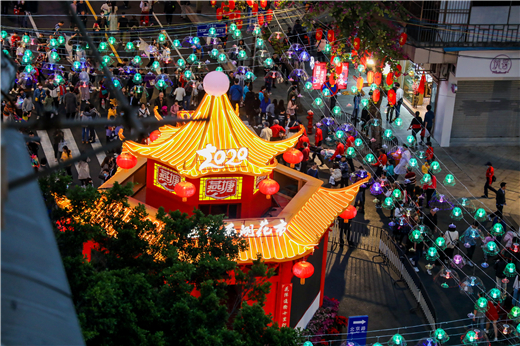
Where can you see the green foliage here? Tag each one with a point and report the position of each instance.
(140, 292)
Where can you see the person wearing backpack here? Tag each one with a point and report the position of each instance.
(451, 236)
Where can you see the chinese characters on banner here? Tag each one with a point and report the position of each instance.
(285, 306)
(319, 75)
(264, 229)
(342, 76)
(165, 178)
(221, 188)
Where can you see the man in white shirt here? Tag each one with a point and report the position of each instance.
(179, 94)
(399, 93)
(266, 132)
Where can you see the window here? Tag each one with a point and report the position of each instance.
(232, 211)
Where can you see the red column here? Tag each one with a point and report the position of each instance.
(324, 264)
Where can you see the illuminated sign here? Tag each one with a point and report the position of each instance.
(342, 76)
(285, 305)
(214, 158)
(165, 178)
(222, 188)
(262, 230)
(258, 180)
(319, 74)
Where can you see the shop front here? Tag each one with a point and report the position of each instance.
(417, 94)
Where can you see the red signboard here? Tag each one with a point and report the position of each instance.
(221, 188)
(319, 75)
(285, 305)
(343, 76)
(166, 178)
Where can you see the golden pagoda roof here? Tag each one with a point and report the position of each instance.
(232, 147)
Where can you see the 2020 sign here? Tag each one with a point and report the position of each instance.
(214, 158)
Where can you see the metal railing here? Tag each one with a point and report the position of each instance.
(453, 35)
(376, 239)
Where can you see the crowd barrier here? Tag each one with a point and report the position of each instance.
(378, 240)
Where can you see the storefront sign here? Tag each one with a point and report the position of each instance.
(342, 76)
(500, 64)
(220, 188)
(165, 178)
(211, 157)
(203, 30)
(262, 230)
(319, 75)
(258, 180)
(285, 305)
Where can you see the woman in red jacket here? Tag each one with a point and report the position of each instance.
(430, 187)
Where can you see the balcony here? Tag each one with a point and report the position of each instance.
(467, 36)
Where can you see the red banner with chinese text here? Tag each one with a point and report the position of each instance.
(285, 306)
(319, 75)
(343, 76)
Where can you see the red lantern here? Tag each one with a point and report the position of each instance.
(269, 15)
(231, 5)
(389, 78)
(330, 35)
(375, 95)
(154, 136)
(319, 34)
(332, 79)
(219, 13)
(391, 97)
(303, 270)
(422, 84)
(293, 156)
(250, 3)
(213, 3)
(263, 3)
(225, 10)
(261, 20)
(268, 187)
(399, 69)
(239, 24)
(126, 160)
(370, 77)
(357, 43)
(184, 189)
(403, 38)
(237, 14)
(360, 83)
(378, 76)
(349, 213)
(255, 8)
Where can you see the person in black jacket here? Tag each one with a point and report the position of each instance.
(500, 200)
(169, 8)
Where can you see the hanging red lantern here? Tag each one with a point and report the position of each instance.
(303, 270)
(370, 77)
(357, 43)
(261, 20)
(154, 135)
(184, 189)
(399, 69)
(319, 34)
(330, 36)
(213, 3)
(255, 8)
(263, 3)
(360, 83)
(389, 78)
(375, 95)
(269, 15)
(239, 24)
(126, 160)
(422, 84)
(219, 13)
(231, 16)
(349, 213)
(378, 76)
(332, 80)
(231, 5)
(403, 38)
(293, 156)
(268, 187)
(225, 10)
(391, 97)
(250, 3)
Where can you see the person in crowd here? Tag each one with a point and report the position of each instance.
(399, 94)
(266, 132)
(340, 150)
(58, 142)
(270, 111)
(84, 171)
(430, 187)
(416, 125)
(389, 170)
(278, 131)
(500, 200)
(318, 135)
(67, 155)
(428, 121)
(345, 172)
(112, 112)
(490, 178)
(236, 93)
(381, 162)
(470, 237)
(451, 237)
(39, 97)
(71, 104)
(85, 118)
(492, 316)
(335, 175)
(292, 106)
(174, 109)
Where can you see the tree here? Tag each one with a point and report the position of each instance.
(157, 282)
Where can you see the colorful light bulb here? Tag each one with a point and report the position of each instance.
(219, 69)
(259, 43)
(340, 134)
(308, 86)
(181, 63)
(112, 40)
(396, 194)
(413, 163)
(192, 58)
(389, 135)
(497, 230)
(354, 89)
(435, 167)
(53, 43)
(449, 180)
(129, 46)
(440, 242)
(4, 34)
(361, 68)
(222, 58)
(156, 65)
(480, 214)
(268, 63)
(456, 214)
(410, 139)
(26, 39)
(188, 74)
(336, 110)
(257, 31)
(137, 60)
(237, 34)
(336, 61)
(138, 79)
(176, 43)
(195, 40)
(351, 153)
(388, 203)
(103, 47)
(364, 103)
(327, 48)
(358, 143)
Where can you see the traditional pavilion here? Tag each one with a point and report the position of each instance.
(224, 163)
